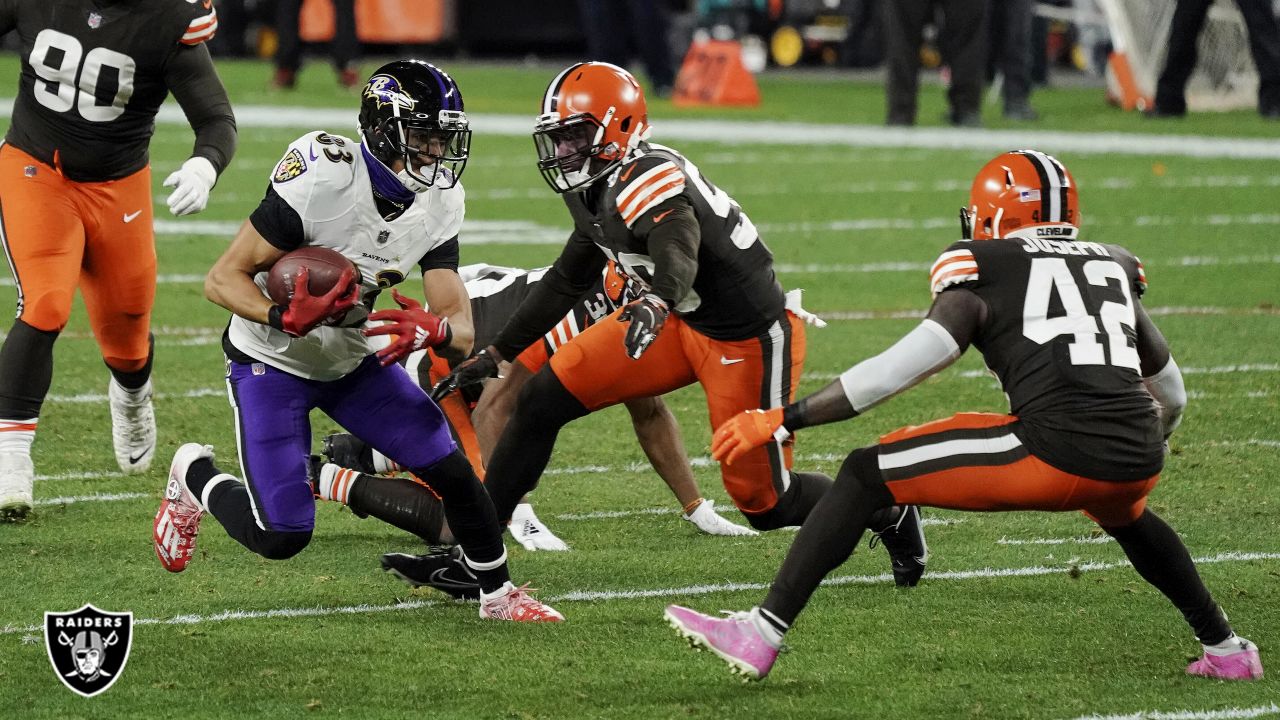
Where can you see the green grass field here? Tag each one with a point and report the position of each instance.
(1021, 615)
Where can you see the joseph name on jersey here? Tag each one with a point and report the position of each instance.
(325, 179)
(735, 293)
(1060, 336)
(93, 77)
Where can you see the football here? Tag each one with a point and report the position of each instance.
(324, 267)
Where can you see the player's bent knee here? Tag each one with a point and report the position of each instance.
(48, 312)
(545, 403)
(282, 545)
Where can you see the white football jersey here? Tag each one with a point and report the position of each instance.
(325, 179)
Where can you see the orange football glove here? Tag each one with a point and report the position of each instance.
(744, 432)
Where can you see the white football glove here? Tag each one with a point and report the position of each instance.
(710, 522)
(193, 182)
(529, 531)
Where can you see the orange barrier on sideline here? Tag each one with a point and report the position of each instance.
(1131, 98)
(379, 21)
(713, 74)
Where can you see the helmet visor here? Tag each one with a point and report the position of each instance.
(568, 153)
(434, 152)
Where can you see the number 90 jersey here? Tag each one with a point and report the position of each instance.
(735, 294)
(1060, 335)
(93, 77)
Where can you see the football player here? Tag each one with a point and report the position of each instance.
(389, 201)
(1093, 394)
(494, 293)
(711, 310)
(75, 200)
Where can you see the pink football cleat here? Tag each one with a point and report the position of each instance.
(734, 638)
(518, 605)
(1243, 664)
(178, 519)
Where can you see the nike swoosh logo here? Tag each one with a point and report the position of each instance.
(312, 151)
(627, 175)
(658, 218)
(438, 579)
(134, 459)
(726, 361)
(128, 217)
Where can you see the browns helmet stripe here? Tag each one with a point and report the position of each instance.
(552, 98)
(1043, 170)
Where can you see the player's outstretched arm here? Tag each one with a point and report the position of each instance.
(447, 297)
(932, 346)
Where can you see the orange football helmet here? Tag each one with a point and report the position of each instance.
(593, 117)
(1018, 189)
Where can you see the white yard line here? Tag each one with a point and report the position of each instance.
(669, 592)
(1224, 714)
(96, 497)
(80, 476)
(1100, 540)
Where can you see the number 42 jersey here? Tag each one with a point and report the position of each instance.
(1060, 336)
(94, 75)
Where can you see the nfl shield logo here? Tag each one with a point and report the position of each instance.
(88, 647)
(382, 237)
(95, 22)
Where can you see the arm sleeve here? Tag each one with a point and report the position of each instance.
(190, 76)
(673, 241)
(573, 273)
(277, 222)
(8, 16)
(441, 257)
(1170, 395)
(920, 353)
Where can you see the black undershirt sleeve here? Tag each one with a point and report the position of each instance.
(277, 222)
(441, 257)
(190, 76)
(573, 273)
(673, 244)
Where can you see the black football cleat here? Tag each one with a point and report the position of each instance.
(441, 568)
(898, 528)
(349, 451)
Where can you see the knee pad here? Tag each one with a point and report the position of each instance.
(282, 545)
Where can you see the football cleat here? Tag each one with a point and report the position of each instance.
(734, 638)
(17, 475)
(529, 531)
(178, 520)
(1243, 664)
(133, 427)
(349, 451)
(517, 605)
(903, 536)
(442, 568)
(710, 522)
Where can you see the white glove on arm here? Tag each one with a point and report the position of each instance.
(191, 184)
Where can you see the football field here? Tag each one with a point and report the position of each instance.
(1018, 616)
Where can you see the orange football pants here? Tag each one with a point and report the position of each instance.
(457, 411)
(973, 461)
(736, 375)
(59, 235)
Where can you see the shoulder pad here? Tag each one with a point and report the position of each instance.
(645, 182)
(202, 22)
(954, 266)
(307, 174)
(1133, 268)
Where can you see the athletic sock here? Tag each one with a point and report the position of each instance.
(770, 626)
(335, 483)
(383, 464)
(16, 436)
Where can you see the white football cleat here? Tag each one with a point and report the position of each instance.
(177, 521)
(709, 521)
(17, 475)
(529, 531)
(133, 427)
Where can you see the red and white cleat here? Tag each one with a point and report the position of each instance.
(178, 519)
(517, 605)
(1242, 664)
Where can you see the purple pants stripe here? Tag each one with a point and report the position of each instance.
(381, 406)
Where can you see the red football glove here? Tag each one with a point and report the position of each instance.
(306, 311)
(746, 431)
(415, 327)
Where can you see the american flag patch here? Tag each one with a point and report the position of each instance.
(1029, 195)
